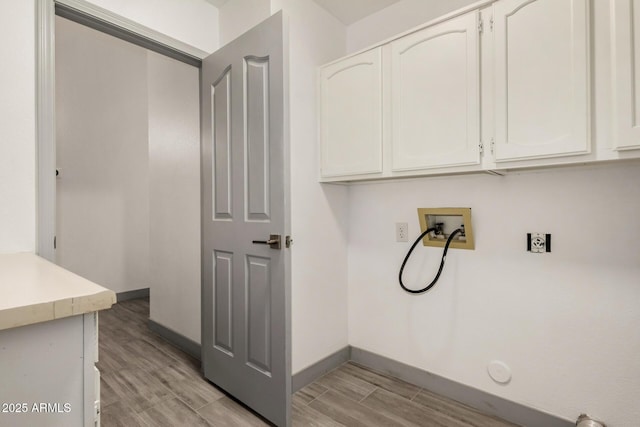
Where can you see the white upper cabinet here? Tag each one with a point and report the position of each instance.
(435, 102)
(541, 78)
(537, 83)
(626, 74)
(351, 116)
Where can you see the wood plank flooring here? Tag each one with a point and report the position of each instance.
(147, 382)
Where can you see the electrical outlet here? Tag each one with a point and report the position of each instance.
(402, 232)
(538, 242)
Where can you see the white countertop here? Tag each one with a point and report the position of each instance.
(34, 290)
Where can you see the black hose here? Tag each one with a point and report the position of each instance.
(444, 258)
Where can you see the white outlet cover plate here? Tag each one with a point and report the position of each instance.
(402, 232)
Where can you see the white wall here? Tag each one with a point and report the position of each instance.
(318, 212)
(565, 322)
(17, 129)
(238, 16)
(194, 22)
(174, 194)
(102, 210)
(397, 18)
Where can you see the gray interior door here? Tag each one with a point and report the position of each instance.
(246, 341)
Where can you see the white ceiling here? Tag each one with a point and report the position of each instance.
(350, 11)
(347, 11)
(217, 3)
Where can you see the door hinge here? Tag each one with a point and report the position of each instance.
(480, 26)
(491, 24)
(493, 145)
(481, 146)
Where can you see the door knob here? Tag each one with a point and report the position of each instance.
(274, 242)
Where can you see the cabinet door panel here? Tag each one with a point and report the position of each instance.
(351, 116)
(626, 74)
(435, 96)
(541, 78)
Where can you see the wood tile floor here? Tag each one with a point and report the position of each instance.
(148, 382)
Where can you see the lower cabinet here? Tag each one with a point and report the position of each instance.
(48, 373)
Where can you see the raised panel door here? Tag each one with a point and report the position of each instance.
(626, 74)
(435, 102)
(246, 344)
(541, 78)
(351, 116)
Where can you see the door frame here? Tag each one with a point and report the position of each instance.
(103, 20)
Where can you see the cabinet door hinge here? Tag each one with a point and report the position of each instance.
(493, 145)
(481, 146)
(491, 24)
(480, 26)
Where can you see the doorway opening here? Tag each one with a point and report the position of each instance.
(128, 176)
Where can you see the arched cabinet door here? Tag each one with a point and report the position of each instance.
(541, 78)
(351, 116)
(626, 74)
(435, 102)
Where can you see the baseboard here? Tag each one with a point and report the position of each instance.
(183, 343)
(318, 369)
(135, 294)
(478, 399)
